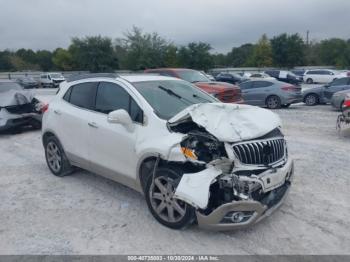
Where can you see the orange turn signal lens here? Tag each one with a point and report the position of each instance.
(189, 153)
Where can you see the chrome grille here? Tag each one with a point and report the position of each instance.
(262, 152)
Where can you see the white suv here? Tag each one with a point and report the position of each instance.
(320, 76)
(195, 159)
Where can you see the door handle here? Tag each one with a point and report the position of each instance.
(93, 124)
(57, 112)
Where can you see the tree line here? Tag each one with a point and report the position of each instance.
(138, 50)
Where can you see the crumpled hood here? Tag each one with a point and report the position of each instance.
(15, 97)
(229, 122)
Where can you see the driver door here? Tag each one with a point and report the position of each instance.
(112, 151)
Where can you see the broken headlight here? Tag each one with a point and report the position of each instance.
(203, 147)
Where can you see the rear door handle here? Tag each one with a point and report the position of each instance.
(57, 112)
(93, 124)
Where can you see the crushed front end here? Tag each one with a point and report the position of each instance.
(244, 170)
(241, 183)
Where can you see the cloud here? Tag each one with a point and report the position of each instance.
(44, 24)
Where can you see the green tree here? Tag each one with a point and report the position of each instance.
(144, 50)
(62, 59)
(196, 56)
(5, 61)
(44, 60)
(95, 54)
(262, 53)
(27, 55)
(334, 51)
(239, 56)
(220, 60)
(287, 50)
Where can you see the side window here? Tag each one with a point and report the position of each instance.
(340, 82)
(67, 95)
(83, 95)
(112, 97)
(260, 84)
(43, 76)
(136, 112)
(246, 85)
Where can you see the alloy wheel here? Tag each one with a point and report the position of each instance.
(163, 203)
(54, 157)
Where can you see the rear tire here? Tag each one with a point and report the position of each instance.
(56, 158)
(168, 211)
(273, 102)
(311, 99)
(309, 81)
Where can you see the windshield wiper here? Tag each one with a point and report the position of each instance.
(203, 99)
(172, 93)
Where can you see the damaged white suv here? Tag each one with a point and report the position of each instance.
(195, 159)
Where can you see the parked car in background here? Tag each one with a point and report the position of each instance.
(321, 76)
(270, 93)
(18, 107)
(52, 80)
(299, 72)
(338, 99)
(323, 94)
(285, 76)
(244, 74)
(27, 82)
(195, 159)
(231, 78)
(209, 76)
(225, 92)
(262, 75)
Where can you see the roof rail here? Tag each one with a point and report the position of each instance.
(86, 76)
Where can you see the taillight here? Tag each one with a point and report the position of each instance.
(290, 88)
(45, 108)
(346, 103)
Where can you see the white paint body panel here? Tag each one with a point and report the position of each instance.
(194, 188)
(231, 122)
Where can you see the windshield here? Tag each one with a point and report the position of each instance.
(6, 86)
(192, 76)
(169, 97)
(56, 76)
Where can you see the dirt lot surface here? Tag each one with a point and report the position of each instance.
(87, 214)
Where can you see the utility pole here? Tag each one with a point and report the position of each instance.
(307, 37)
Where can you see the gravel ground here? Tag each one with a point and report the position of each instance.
(87, 214)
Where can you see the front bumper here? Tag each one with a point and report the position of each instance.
(254, 210)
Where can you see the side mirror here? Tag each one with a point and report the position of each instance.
(327, 85)
(122, 117)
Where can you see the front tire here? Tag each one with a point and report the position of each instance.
(273, 102)
(56, 158)
(311, 99)
(168, 211)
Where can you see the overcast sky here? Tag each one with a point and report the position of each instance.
(47, 24)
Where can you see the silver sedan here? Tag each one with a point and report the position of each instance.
(272, 94)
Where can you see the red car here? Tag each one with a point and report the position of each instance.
(225, 92)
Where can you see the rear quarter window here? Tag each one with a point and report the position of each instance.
(82, 95)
